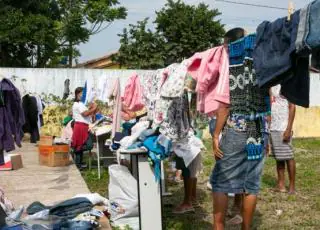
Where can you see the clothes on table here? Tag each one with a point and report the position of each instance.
(276, 60)
(136, 131)
(132, 97)
(12, 117)
(211, 71)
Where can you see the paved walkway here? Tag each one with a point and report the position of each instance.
(40, 183)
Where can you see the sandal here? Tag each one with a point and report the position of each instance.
(279, 190)
(182, 210)
(236, 220)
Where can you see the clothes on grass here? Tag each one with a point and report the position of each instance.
(234, 173)
(67, 209)
(77, 109)
(281, 150)
(211, 71)
(279, 110)
(276, 60)
(12, 116)
(132, 97)
(115, 95)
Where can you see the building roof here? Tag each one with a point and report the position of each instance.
(93, 62)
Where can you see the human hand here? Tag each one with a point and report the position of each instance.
(287, 135)
(218, 154)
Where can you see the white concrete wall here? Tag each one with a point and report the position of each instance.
(51, 81)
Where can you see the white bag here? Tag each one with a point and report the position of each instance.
(123, 193)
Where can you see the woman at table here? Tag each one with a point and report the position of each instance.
(82, 117)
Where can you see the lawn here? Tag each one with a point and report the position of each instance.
(274, 210)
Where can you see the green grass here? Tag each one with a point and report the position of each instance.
(301, 211)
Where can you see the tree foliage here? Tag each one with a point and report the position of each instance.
(180, 31)
(40, 32)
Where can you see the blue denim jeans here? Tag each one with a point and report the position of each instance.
(234, 173)
(313, 38)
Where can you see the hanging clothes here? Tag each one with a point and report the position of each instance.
(248, 102)
(132, 97)
(12, 116)
(308, 37)
(211, 71)
(40, 111)
(276, 60)
(30, 108)
(117, 104)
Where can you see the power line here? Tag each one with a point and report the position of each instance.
(250, 4)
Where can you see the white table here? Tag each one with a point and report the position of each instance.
(101, 138)
(149, 191)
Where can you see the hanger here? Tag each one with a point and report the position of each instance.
(290, 10)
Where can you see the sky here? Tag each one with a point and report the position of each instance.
(233, 15)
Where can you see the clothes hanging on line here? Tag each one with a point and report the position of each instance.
(308, 36)
(276, 61)
(11, 116)
(117, 105)
(211, 71)
(30, 108)
(132, 97)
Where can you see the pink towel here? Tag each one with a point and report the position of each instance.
(132, 97)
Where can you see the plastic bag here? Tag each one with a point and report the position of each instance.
(123, 193)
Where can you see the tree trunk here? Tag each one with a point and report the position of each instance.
(70, 54)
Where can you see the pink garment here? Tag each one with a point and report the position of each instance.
(211, 71)
(67, 132)
(132, 97)
(115, 95)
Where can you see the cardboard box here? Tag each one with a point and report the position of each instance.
(46, 141)
(16, 161)
(54, 156)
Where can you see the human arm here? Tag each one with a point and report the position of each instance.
(222, 115)
(288, 132)
(91, 111)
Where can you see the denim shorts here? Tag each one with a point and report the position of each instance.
(234, 173)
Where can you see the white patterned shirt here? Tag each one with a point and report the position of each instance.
(279, 110)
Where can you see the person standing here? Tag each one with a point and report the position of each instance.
(82, 117)
(282, 118)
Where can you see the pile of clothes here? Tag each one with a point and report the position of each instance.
(75, 213)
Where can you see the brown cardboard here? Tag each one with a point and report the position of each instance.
(46, 141)
(54, 156)
(16, 161)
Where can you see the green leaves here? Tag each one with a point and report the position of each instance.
(47, 30)
(181, 31)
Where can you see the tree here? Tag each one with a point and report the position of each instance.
(39, 33)
(140, 48)
(181, 30)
